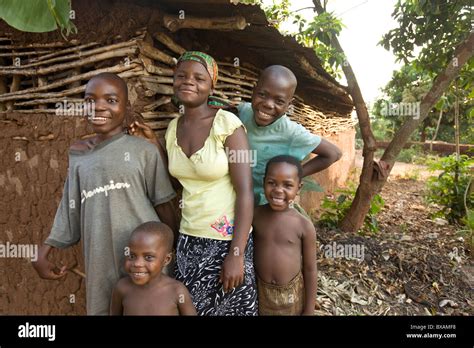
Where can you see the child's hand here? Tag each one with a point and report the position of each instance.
(142, 131)
(232, 272)
(46, 269)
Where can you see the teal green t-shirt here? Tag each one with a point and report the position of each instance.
(282, 137)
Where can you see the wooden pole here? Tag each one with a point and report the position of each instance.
(86, 76)
(3, 88)
(168, 42)
(174, 23)
(234, 81)
(157, 79)
(72, 91)
(162, 101)
(16, 54)
(128, 51)
(42, 81)
(13, 88)
(40, 45)
(67, 50)
(49, 101)
(153, 53)
(83, 54)
(156, 70)
(154, 88)
(252, 72)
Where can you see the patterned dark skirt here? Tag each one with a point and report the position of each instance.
(198, 266)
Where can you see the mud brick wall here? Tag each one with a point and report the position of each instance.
(336, 175)
(34, 161)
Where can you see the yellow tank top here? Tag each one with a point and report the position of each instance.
(208, 194)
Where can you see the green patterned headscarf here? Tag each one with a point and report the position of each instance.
(205, 59)
(211, 67)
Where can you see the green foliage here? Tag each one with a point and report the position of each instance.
(468, 232)
(278, 12)
(409, 85)
(315, 33)
(318, 34)
(435, 26)
(335, 209)
(427, 158)
(382, 128)
(38, 15)
(409, 155)
(309, 185)
(450, 189)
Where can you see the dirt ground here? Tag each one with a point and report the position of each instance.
(414, 266)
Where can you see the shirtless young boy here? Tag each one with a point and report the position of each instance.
(285, 244)
(147, 291)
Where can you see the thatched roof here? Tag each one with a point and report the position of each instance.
(258, 45)
(268, 46)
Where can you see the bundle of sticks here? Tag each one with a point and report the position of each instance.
(34, 78)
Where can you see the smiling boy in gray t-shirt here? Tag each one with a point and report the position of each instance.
(115, 183)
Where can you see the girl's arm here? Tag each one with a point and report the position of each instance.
(232, 273)
(144, 131)
(327, 154)
(309, 268)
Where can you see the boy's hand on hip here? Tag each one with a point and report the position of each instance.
(46, 269)
(232, 272)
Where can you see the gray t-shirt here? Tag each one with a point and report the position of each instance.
(109, 191)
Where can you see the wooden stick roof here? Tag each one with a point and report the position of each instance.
(253, 41)
(264, 45)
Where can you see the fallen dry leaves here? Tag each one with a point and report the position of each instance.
(414, 266)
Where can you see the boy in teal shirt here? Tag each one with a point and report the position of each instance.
(271, 132)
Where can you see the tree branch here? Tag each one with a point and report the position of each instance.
(461, 55)
(360, 106)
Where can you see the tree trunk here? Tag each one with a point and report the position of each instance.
(354, 218)
(370, 182)
(461, 55)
